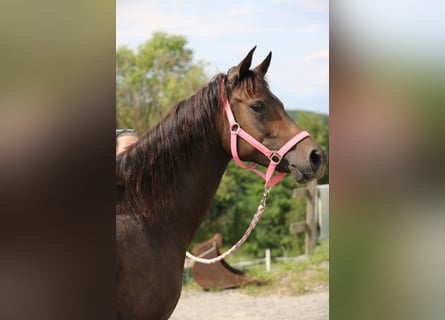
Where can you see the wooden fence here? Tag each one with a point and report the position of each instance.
(316, 225)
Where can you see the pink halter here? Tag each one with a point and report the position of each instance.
(273, 155)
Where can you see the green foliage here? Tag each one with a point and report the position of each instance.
(153, 79)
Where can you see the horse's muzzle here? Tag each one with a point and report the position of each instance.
(307, 167)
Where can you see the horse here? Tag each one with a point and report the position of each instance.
(166, 181)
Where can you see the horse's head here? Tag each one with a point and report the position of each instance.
(261, 114)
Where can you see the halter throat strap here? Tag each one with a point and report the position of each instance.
(274, 156)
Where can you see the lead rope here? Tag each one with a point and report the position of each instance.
(249, 230)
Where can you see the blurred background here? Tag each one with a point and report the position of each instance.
(57, 106)
(386, 153)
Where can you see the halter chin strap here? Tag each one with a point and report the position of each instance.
(274, 156)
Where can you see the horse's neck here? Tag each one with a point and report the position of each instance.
(197, 189)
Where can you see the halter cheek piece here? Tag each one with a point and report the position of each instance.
(274, 156)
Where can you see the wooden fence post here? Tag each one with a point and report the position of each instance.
(309, 243)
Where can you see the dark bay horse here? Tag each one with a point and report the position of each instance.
(166, 181)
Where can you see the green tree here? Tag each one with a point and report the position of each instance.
(154, 78)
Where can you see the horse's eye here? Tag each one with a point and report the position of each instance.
(258, 106)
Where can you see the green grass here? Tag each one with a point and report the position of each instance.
(288, 278)
(321, 252)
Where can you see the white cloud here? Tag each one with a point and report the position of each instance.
(307, 80)
(140, 20)
(323, 54)
(242, 11)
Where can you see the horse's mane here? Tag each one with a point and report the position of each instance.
(147, 171)
(148, 168)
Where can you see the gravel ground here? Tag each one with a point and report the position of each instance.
(230, 304)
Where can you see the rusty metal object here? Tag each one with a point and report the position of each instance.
(218, 275)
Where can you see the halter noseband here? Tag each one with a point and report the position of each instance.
(274, 156)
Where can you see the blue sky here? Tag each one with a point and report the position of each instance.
(222, 32)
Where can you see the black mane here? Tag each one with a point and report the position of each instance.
(148, 168)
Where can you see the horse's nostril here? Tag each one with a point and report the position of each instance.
(316, 159)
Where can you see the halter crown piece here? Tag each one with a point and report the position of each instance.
(274, 157)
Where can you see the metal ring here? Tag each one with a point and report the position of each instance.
(275, 157)
(235, 127)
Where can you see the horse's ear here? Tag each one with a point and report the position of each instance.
(241, 69)
(263, 66)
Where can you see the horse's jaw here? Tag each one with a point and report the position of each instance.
(301, 176)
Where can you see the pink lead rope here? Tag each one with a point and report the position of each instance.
(274, 157)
